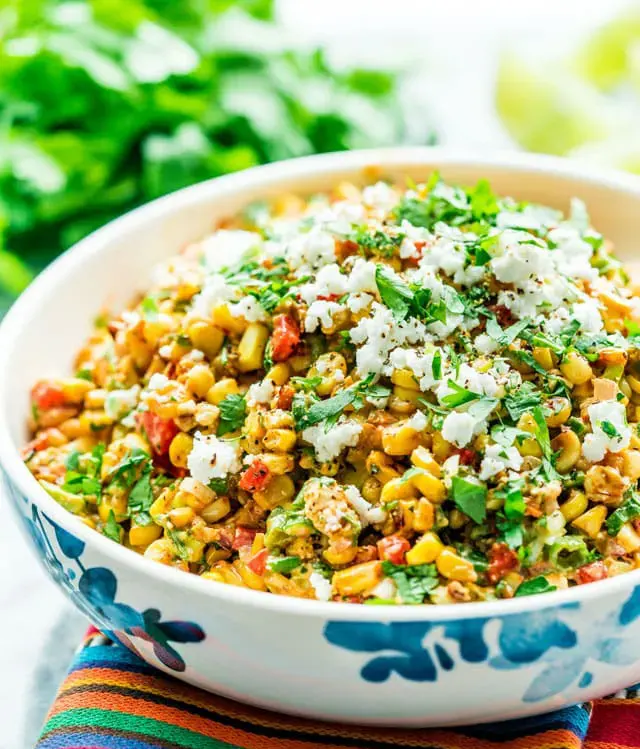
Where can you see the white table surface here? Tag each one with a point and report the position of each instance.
(456, 47)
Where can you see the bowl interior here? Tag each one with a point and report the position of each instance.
(48, 325)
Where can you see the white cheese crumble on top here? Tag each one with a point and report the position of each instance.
(367, 512)
(158, 382)
(227, 246)
(321, 586)
(211, 458)
(460, 428)
(249, 308)
(498, 458)
(329, 443)
(120, 402)
(595, 445)
(260, 393)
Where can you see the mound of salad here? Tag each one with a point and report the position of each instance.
(401, 394)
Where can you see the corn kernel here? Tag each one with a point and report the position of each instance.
(279, 440)
(143, 535)
(425, 550)
(628, 538)
(179, 449)
(251, 347)
(574, 506)
(279, 374)
(397, 489)
(454, 567)
(223, 318)
(358, 579)
(380, 466)
(576, 368)
(400, 439)
(206, 338)
(430, 487)
(543, 357)
(405, 378)
(422, 458)
(200, 379)
(218, 392)
(591, 521)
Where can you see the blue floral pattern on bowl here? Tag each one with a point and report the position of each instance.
(94, 591)
(550, 637)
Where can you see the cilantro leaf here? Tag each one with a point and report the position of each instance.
(436, 365)
(508, 335)
(233, 410)
(284, 565)
(323, 410)
(414, 581)
(522, 400)
(534, 586)
(470, 497)
(126, 472)
(627, 511)
(395, 294)
(141, 496)
(111, 529)
(459, 396)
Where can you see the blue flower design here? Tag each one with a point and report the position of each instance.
(94, 591)
(412, 660)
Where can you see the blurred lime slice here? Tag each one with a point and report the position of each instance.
(605, 58)
(621, 152)
(549, 110)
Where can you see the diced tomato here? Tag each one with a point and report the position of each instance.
(41, 442)
(46, 395)
(255, 478)
(258, 562)
(328, 297)
(502, 559)
(285, 338)
(285, 397)
(160, 432)
(393, 549)
(243, 537)
(591, 572)
(467, 456)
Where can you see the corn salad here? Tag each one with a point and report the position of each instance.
(383, 395)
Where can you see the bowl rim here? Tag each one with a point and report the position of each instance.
(263, 177)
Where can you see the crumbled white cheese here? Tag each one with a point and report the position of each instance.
(328, 444)
(587, 313)
(386, 589)
(418, 421)
(459, 428)
(613, 415)
(498, 458)
(380, 196)
(362, 277)
(260, 392)
(215, 291)
(212, 458)
(521, 259)
(158, 382)
(367, 512)
(249, 308)
(378, 334)
(322, 587)
(314, 249)
(321, 314)
(120, 402)
(485, 344)
(227, 246)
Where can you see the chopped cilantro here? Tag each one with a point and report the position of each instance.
(609, 429)
(522, 400)
(126, 472)
(508, 335)
(233, 410)
(149, 307)
(141, 496)
(436, 365)
(284, 565)
(111, 529)
(306, 383)
(459, 396)
(395, 294)
(629, 510)
(219, 486)
(470, 497)
(543, 439)
(414, 581)
(534, 586)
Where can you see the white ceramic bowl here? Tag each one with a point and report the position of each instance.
(420, 665)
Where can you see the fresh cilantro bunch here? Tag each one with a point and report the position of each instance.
(106, 104)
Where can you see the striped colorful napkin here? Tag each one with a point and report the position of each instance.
(113, 700)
